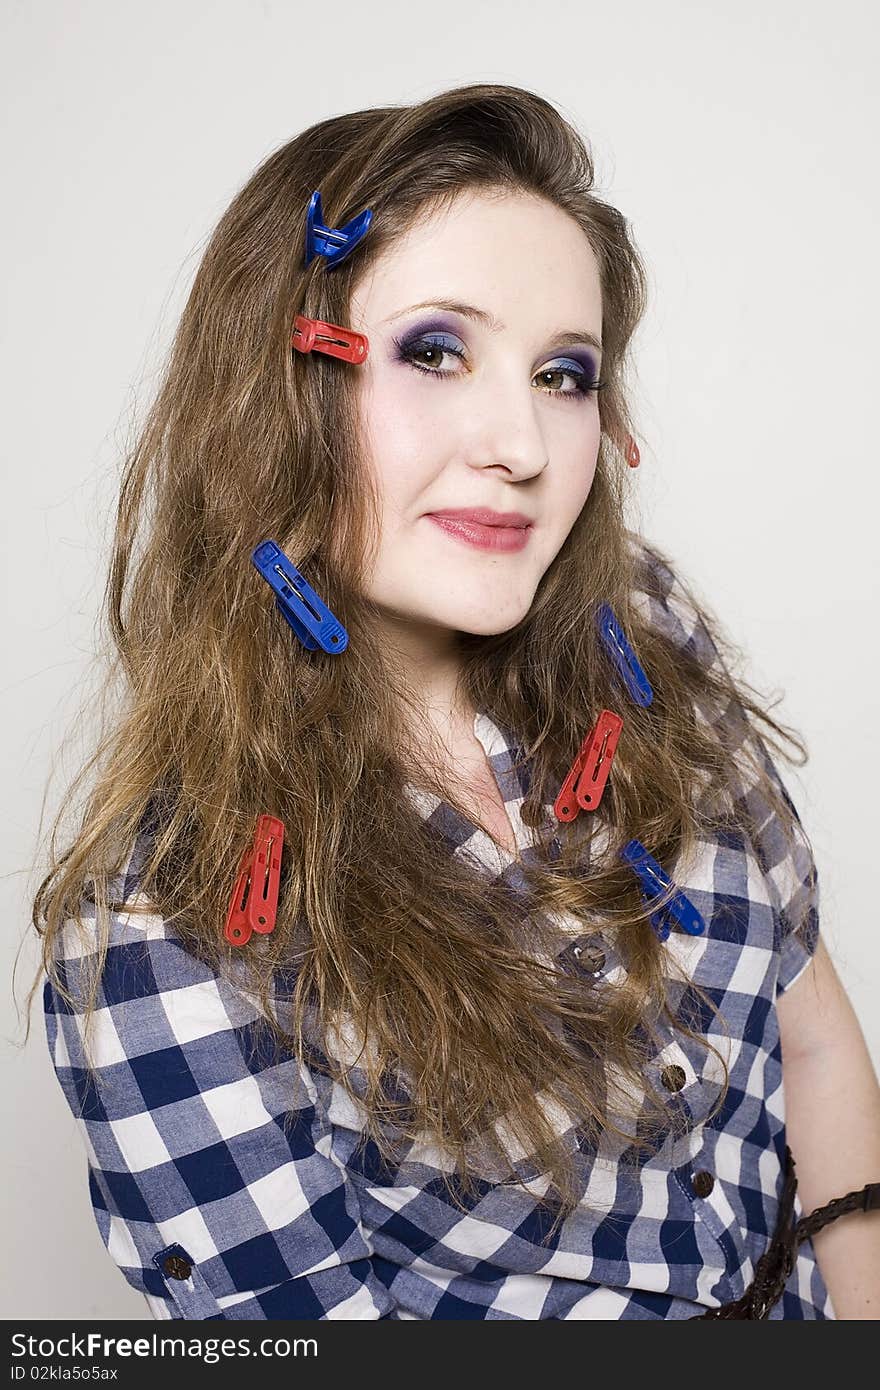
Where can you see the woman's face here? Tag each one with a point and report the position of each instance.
(460, 410)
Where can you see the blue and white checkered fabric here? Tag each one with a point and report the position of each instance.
(224, 1186)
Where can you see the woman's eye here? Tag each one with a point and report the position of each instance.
(584, 383)
(431, 350)
(426, 355)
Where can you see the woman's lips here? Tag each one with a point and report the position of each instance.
(484, 537)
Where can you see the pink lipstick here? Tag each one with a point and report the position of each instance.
(485, 528)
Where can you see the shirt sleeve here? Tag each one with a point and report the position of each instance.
(790, 872)
(795, 877)
(210, 1172)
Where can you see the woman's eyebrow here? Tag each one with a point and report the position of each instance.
(566, 339)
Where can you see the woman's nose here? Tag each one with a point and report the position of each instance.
(505, 428)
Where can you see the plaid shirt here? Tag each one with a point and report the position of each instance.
(226, 1187)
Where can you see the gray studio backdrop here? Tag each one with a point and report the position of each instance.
(740, 143)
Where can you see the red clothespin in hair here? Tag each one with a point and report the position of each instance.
(255, 899)
(583, 787)
(315, 335)
(633, 457)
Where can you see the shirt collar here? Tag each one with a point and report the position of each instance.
(502, 749)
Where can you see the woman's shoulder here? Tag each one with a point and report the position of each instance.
(671, 603)
(119, 903)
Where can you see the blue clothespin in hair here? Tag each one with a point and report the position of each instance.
(297, 602)
(623, 656)
(334, 243)
(659, 922)
(655, 880)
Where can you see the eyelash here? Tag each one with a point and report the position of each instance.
(407, 352)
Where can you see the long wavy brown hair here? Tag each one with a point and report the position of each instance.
(465, 1029)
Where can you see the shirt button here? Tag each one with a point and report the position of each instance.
(673, 1077)
(176, 1267)
(703, 1183)
(590, 956)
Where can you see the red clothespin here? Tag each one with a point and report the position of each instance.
(583, 787)
(255, 899)
(314, 335)
(633, 457)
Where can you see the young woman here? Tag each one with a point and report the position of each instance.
(489, 1019)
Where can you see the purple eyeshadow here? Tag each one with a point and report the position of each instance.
(436, 324)
(584, 360)
(445, 323)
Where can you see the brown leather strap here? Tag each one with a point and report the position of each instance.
(866, 1199)
(778, 1260)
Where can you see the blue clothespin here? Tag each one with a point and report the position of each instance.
(333, 242)
(655, 880)
(297, 602)
(658, 921)
(623, 656)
